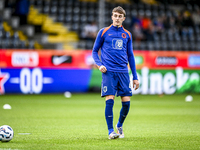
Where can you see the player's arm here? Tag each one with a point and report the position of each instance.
(97, 45)
(131, 61)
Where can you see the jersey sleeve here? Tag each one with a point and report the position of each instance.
(131, 58)
(97, 45)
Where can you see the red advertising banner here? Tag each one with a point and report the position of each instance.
(44, 59)
(167, 59)
(83, 59)
(35, 71)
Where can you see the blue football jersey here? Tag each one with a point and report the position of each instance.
(116, 50)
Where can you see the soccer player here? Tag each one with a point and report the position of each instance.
(115, 43)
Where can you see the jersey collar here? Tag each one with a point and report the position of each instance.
(116, 28)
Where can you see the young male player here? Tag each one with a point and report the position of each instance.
(116, 52)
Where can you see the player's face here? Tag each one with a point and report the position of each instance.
(117, 19)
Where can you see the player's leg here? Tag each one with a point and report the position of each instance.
(123, 113)
(108, 91)
(109, 112)
(125, 92)
(109, 116)
(124, 110)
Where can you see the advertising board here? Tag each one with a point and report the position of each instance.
(50, 71)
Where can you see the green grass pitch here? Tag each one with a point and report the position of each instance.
(54, 122)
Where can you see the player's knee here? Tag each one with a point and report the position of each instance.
(110, 97)
(125, 98)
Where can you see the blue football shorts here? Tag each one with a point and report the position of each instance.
(115, 83)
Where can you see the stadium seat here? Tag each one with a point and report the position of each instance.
(148, 13)
(54, 2)
(191, 38)
(198, 47)
(164, 45)
(134, 13)
(154, 13)
(46, 9)
(135, 46)
(68, 19)
(82, 45)
(53, 10)
(170, 37)
(185, 46)
(83, 19)
(1, 34)
(157, 46)
(177, 37)
(150, 46)
(89, 45)
(75, 19)
(192, 46)
(163, 37)
(75, 26)
(62, 3)
(61, 18)
(46, 3)
(76, 10)
(178, 45)
(61, 10)
(143, 46)
(141, 12)
(69, 11)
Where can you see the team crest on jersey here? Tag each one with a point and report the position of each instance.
(117, 43)
(124, 35)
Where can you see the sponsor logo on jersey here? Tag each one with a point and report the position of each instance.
(117, 44)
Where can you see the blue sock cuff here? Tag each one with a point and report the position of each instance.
(126, 103)
(119, 124)
(110, 101)
(110, 131)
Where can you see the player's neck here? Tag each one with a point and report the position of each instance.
(118, 26)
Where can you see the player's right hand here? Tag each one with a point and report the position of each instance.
(102, 69)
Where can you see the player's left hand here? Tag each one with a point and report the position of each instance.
(136, 84)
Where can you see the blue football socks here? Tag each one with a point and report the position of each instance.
(109, 115)
(123, 113)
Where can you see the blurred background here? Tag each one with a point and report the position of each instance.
(46, 45)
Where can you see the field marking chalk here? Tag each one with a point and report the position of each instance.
(24, 133)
